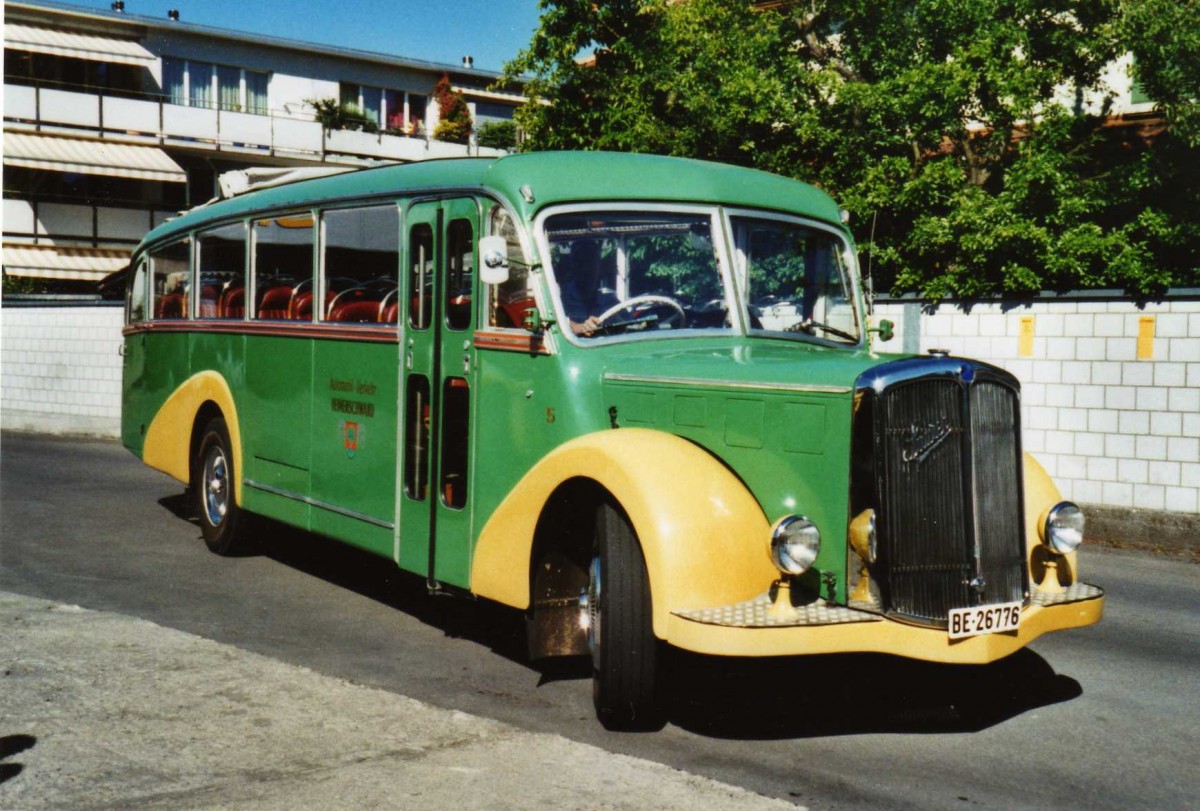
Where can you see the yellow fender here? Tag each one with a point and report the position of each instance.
(1041, 494)
(168, 439)
(703, 535)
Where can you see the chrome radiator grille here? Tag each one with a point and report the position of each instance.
(947, 489)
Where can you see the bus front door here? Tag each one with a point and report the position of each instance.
(437, 419)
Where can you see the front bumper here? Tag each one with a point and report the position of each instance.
(753, 629)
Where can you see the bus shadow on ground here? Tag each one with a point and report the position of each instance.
(379, 579)
(851, 694)
(735, 698)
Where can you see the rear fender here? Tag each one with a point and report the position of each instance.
(169, 437)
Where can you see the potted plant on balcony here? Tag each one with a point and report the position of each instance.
(333, 115)
(454, 117)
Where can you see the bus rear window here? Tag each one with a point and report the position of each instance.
(170, 274)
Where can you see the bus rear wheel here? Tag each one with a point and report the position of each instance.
(213, 478)
(621, 637)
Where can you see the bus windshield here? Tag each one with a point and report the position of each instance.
(796, 280)
(656, 273)
(627, 272)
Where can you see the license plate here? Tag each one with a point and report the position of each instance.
(984, 619)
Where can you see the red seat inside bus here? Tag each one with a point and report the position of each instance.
(361, 311)
(275, 302)
(172, 305)
(514, 309)
(232, 303)
(209, 303)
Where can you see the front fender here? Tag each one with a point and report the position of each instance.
(169, 437)
(1041, 494)
(703, 535)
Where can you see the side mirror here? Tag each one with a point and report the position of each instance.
(493, 258)
(886, 330)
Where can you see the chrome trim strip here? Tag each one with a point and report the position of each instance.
(266, 488)
(727, 384)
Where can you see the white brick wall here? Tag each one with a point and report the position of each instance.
(1111, 428)
(60, 369)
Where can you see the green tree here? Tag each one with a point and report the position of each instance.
(1164, 37)
(454, 117)
(934, 121)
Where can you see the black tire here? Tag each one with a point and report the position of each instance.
(625, 652)
(213, 478)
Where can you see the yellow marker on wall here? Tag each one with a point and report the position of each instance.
(1145, 345)
(1025, 337)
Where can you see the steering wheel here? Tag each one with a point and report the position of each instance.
(629, 304)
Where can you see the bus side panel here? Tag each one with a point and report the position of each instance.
(278, 426)
(353, 447)
(155, 366)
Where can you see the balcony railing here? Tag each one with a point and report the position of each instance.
(156, 121)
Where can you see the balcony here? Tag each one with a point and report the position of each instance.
(152, 120)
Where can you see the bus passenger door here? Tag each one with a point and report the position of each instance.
(437, 423)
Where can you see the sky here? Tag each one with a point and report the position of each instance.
(491, 31)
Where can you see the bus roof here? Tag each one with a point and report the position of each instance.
(549, 178)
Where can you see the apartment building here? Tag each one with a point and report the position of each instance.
(115, 121)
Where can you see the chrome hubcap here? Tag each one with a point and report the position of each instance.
(216, 486)
(589, 609)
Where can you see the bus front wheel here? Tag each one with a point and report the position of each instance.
(620, 629)
(213, 485)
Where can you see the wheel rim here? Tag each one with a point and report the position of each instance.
(589, 609)
(216, 486)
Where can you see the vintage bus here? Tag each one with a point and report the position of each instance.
(634, 397)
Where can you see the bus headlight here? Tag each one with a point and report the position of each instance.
(1064, 528)
(795, 542)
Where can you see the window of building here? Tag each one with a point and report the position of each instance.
(283, 268)
(202, 84)
(222, 258)
(393, 110)
(361, 263)
(68, 73)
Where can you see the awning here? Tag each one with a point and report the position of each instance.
(90, 157)
(94, 47)
(86, 264)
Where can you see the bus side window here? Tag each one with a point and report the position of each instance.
(507, 302)
(136, 310)
(420, 273)
(170, 276)
(416, 434)
(283, 263)
(361, 252)
(460, 273)
(222, 261)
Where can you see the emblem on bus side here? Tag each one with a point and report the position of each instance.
(351, 434)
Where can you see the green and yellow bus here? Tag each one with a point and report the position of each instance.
(634, 397)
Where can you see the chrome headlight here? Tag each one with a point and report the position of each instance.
(1064, 528)
(795, 542)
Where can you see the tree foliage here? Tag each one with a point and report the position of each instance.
(454, 117)
(942, 125)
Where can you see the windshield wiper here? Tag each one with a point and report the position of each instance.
(809, 326)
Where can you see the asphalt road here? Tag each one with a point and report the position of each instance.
(1103, 717)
